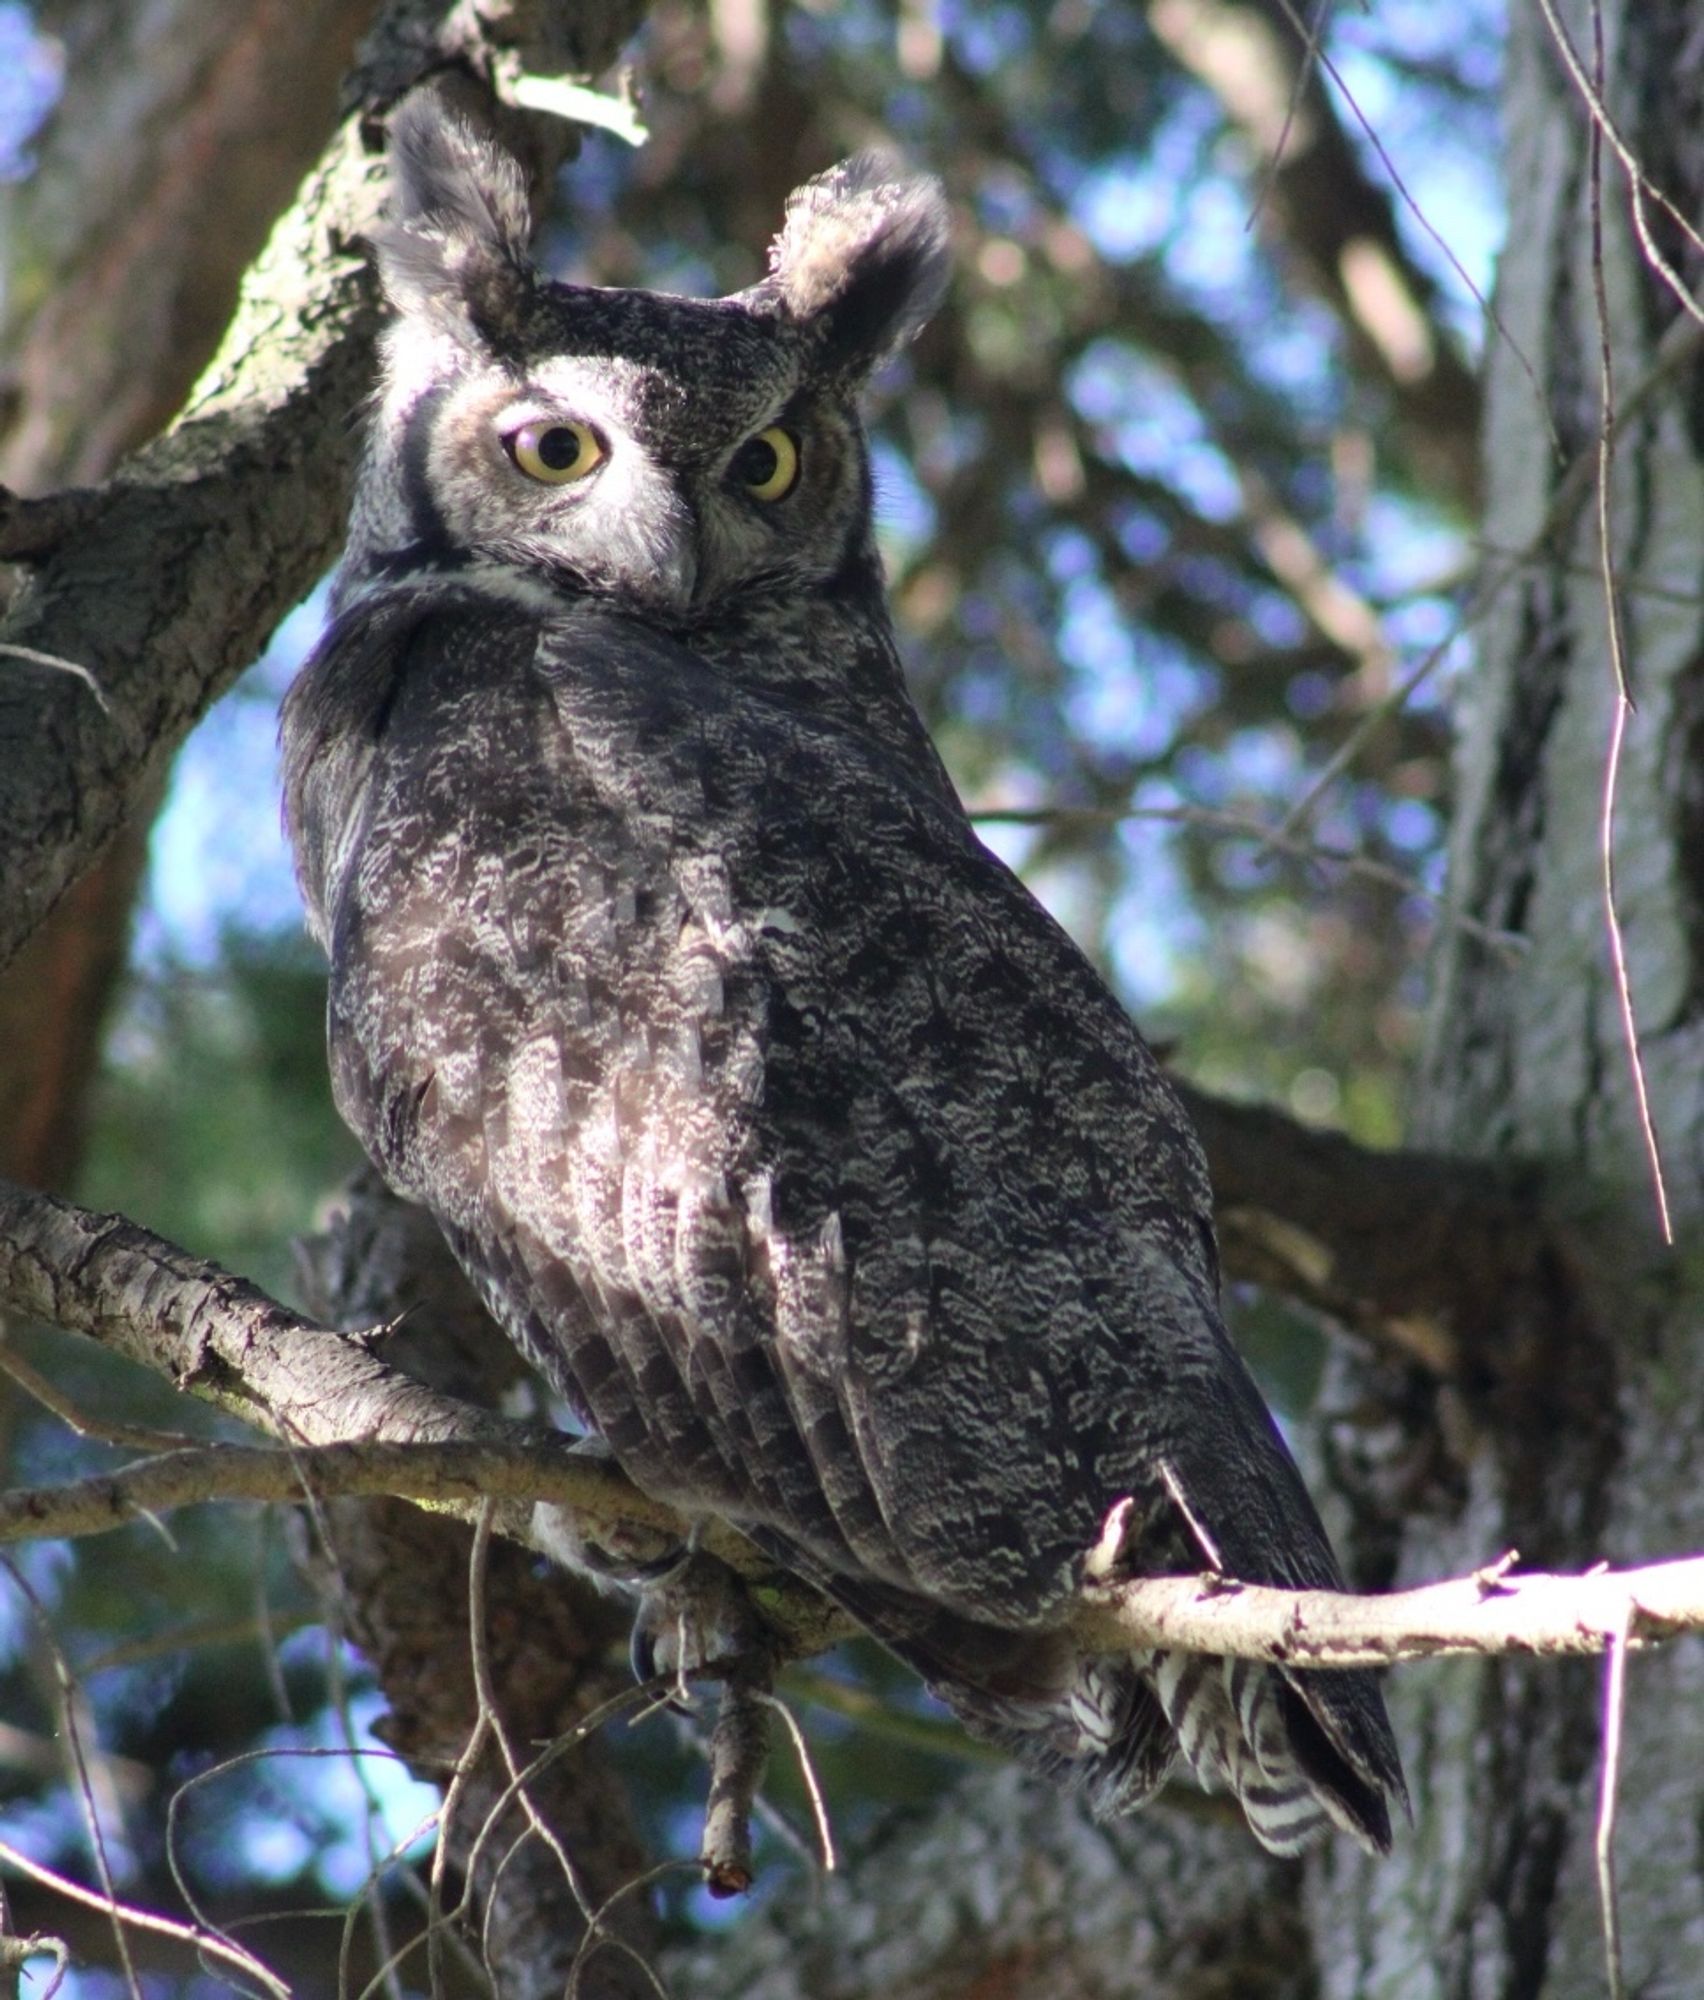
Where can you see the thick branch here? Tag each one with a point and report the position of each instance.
(182, 132)
(190, 556)
(1490, 1612)
(214, 1335)
(223, 1338)
(1423, 1252)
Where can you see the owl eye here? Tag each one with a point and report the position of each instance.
(556, 453)
(767, 466)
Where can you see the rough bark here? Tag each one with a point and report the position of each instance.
(164, 583)
(1590, 1455)
(155, 183)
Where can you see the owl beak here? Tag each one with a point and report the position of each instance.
(673, 576)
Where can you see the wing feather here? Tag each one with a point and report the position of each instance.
(849, 1200)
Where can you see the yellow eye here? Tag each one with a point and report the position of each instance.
(767, 466)
(557, 453)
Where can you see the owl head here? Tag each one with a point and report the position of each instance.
(666, 453)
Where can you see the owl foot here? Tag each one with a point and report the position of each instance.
(701, 1621)
(623, 1560)
(694, 1617)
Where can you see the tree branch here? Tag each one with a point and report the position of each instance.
(450, 1475)
(182, 131)
(1426, 1254)
(222, 1338)
(1489, 1612)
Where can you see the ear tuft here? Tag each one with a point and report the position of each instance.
(864, 251)
(454, 246)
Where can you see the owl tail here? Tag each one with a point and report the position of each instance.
(1115, 1733)
(1246, 1729)
(1300, 1755)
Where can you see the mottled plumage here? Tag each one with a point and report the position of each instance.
(773, 1117)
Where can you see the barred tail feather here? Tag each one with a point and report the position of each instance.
(1247, 1729)
(1302, 1755)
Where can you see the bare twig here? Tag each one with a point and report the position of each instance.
(1548, 1616)
(386, 1953)
(72, 1715)
(520, 1773)
(1241, 826)
(1676, 351)
(1639, 182)
(739, 1754)
(437, 1919)
(1486, 306)
(1393, 703)
(485, 1691)
(597, 1928)
(808, 1778)
(1617, 652)
(131, 1918)
(1310, 33)
(32, 656)
(1614, 1706)
(15, 1954)
(36, 1385)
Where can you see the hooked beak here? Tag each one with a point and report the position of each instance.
(672, 576)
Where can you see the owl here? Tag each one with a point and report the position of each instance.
(774, 1119)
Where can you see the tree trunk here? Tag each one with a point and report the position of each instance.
(1581, 1439)
(157, 182)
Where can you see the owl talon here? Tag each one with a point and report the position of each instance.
(699, 1620)
(647, 1669)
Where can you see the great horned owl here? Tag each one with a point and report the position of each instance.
(772, 1116)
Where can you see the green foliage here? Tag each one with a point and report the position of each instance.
(213, 1120)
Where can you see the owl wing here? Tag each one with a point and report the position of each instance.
(774, 1116)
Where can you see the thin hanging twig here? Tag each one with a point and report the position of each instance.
(1618, 658)
(808, 1777)
(1243, 826)
(66, 1700)
(1485, 305)
(1312, 34)
(1641, 186)
(1614, 1707)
